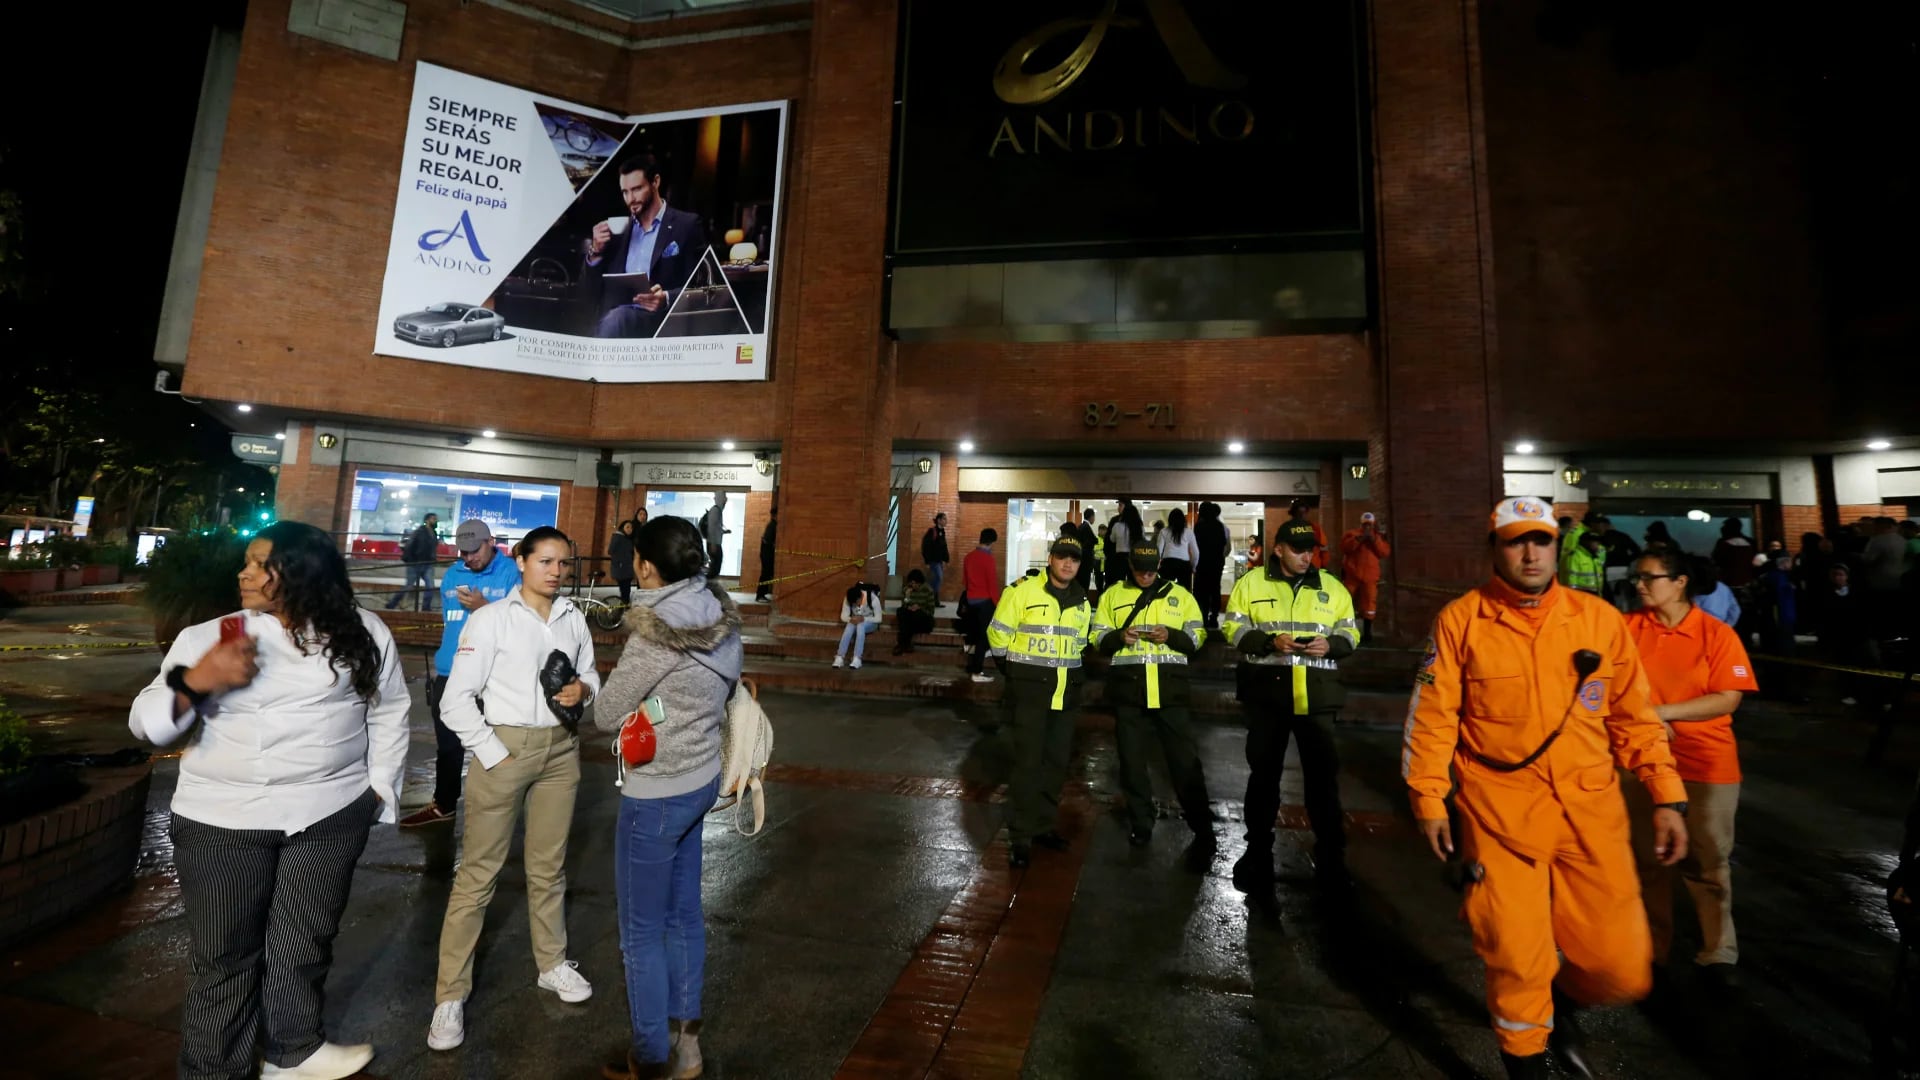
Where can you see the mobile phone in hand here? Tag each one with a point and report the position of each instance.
(232, 628)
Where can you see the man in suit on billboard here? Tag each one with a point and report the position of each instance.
(656, 240)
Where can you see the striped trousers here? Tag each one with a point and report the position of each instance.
(263, 907)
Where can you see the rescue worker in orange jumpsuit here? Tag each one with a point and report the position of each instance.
(1360, 553)
(1531, 693)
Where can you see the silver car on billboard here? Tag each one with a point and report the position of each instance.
(449, 324)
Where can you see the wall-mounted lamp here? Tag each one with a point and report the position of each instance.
(328, 440)
(763, 466)
(1357, 470)
(924, 465)
(1572, 476)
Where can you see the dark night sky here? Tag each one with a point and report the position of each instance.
(98, 155)
(98, 161)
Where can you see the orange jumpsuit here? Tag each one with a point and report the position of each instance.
(1360, 556)
(1553, 837)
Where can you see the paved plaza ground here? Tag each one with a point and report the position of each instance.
(874, 930)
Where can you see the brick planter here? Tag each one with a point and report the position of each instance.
(59, 863)
(99, 575)
(23, 583)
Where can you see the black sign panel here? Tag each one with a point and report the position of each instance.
(1051, 128)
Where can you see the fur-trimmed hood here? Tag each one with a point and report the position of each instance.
(691, 616)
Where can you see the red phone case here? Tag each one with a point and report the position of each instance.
(232, 628)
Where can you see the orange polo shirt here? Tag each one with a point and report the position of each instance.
(1702, 655)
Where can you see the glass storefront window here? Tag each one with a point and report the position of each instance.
(692, 504)
(388, 505)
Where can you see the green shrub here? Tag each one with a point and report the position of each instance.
(16, 746)
(65, 551)
(119, 555)
(26, 557)
(194, 577)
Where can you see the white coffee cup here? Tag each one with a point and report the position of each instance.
(618, 225)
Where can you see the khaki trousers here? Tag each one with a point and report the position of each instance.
(1705, 871)
(542, 772)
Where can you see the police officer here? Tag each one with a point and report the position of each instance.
(1291, 624)
(1150, 628)
(1530, 695)
(1038, 633)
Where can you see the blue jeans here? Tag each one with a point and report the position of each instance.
(420, 575)
(935, 573)
(857, 633)
(663, 935)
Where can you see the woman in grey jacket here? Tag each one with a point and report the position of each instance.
(683, 647)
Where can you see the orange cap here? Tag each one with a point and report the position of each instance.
(1521, 515)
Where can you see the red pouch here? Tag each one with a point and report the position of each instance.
(637, 743)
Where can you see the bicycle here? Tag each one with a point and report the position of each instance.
(605, 614)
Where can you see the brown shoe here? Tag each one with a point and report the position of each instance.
(430, 814)
(633, 1070)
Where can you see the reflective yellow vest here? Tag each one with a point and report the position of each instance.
(1263, 600)
(1176, 610)
(1029, 628)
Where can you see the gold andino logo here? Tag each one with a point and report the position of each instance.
(1228, 120)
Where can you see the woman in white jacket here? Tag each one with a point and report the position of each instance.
(295, 713)
(860, 610)
(1178, 550)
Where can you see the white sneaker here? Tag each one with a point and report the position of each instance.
(837, 660)
(1849, 702)
(856, 664)
(982, 677)
(449, 1027)
(566, 981)
(330, 1062)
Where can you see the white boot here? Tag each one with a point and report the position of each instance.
(330, 1062)
(683, 1062)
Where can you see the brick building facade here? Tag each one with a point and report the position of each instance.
(1505, 299)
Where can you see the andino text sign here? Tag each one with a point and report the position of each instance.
(1091, 125)
(539, 236)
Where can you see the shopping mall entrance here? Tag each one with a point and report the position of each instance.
(1032, 523)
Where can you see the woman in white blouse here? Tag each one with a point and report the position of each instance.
(1178, 550)
(295, 713)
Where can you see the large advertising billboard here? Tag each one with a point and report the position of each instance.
(545, 237)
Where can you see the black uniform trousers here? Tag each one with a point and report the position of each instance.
(1206, 576)
(1042, 739)
(1268, 728)
(1136, 730)
(262, 909)
(450, 755)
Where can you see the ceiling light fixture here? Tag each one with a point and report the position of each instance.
(728, 445)
(244, 407)
(489, 434)
(1880, 444)
(966, 446)
(1523, 448)
(1236, 446)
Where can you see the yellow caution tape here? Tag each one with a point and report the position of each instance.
(80, 645)
(1826, 666)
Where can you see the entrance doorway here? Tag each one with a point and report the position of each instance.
(1032, 523)
(693, 504)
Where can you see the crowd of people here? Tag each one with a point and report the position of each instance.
(266, 842)
(1852, 599)
(1511, 753)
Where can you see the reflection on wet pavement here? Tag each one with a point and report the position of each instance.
(874, 929)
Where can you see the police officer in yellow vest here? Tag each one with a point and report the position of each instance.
(1037, 634)
(1291, 624)
(1147, 683)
